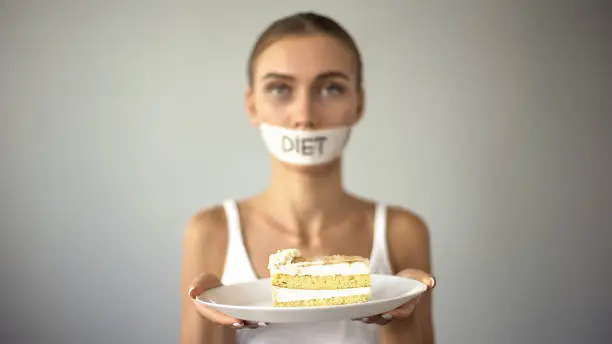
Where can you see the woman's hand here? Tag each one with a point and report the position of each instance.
(405, 310)
(208, 281)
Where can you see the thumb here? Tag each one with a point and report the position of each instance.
(201, 283)
(420, 276)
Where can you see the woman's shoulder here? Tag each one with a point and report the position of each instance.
(204, 239)
(210, 215)
(405, 221)
(408, 238)
(400, 220)
(207, 225)
(407, 235)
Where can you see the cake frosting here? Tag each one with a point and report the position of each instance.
(282, 257)
(344, 269)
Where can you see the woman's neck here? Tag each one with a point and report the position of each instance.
(308, 197)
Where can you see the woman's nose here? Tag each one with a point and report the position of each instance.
(304, 124)
(303, 116)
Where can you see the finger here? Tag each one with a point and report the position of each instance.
(255, 324)
(217, 317)
(432, 282)
(380, 319)
(204, 282)
(207, 281)
(402, 312)
(419, 275)
(201, 283)
(405, 310)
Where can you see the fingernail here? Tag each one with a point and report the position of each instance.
(237, 325)
(387, 316)
(432, 282)
(263, 324)
(190, 291)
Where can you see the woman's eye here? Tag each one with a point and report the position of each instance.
(278, 89)
(333, 89)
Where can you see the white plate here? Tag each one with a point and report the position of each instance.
(252, 301)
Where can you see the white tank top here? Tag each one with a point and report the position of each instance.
(238, 269)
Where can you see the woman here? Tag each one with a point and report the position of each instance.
(305, 93)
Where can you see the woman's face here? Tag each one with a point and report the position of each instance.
(305, 82)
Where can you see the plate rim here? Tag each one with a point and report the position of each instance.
(209, 302)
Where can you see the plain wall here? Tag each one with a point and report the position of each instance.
(120, 119)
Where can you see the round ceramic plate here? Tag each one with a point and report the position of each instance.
(252, 301)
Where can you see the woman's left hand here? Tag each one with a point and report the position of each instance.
(404, 311)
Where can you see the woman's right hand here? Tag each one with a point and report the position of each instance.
(207, 281)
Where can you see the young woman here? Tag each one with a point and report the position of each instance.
(304, 95)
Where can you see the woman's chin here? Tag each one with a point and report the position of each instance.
(312, 169)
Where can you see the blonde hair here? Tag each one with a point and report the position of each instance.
(304, 23)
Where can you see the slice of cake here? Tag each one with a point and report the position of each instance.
(318, 281)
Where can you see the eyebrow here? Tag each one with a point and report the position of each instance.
(325, 75)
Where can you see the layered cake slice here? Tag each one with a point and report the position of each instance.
(318, 281)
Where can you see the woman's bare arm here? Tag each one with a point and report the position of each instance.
(409, 248)
(204, 248)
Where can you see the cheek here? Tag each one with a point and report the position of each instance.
(272, 112)
(339, 113)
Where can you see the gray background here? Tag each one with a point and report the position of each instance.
(120, 119)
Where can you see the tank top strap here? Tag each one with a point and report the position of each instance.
(238, 266)
(379, 261)
(233, 223)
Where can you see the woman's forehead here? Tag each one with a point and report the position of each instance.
(305, 57)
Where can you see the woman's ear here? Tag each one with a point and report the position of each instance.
(249, 99)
